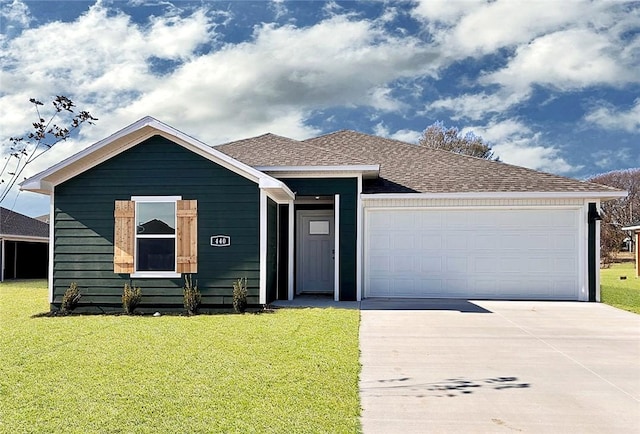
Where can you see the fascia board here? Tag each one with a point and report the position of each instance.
(126, 139)
(9, 237)
(602, 195)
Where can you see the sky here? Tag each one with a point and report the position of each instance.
(550, 85)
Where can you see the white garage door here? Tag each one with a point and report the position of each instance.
(505, 254)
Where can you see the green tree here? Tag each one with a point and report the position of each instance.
(437, 136)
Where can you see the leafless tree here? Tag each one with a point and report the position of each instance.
(47, 131)
(437, 136)
(620, 212)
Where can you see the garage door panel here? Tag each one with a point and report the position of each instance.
(380, 241)
(456, 221)
(403, 264)
(380, 264)
(430, 264)
(456, 264)
(430, 240)
(403, 241)
(472, 253)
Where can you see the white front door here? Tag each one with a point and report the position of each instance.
(315, 251)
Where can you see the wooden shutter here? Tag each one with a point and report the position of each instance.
(187, 213)
(124, 237)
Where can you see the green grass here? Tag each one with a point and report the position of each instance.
(292, 371)
(623, 294)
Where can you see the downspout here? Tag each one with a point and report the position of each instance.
(592, 252)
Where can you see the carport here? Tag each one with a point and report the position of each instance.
(24, 246)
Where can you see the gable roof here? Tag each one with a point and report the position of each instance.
(139, 131)
(20, 225)
(408, 168)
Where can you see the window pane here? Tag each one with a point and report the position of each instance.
(156, 254)
(154, 218)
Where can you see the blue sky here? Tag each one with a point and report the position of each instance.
(554, 88)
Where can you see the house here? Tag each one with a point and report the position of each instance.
(636, 229)
(24, 252)
(346, 214)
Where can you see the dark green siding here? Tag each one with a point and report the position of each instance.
(272, 250)
(228, 204)
(347, 188)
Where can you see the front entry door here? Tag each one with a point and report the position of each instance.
(315, 251)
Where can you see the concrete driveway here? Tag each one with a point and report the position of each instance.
(498, 366)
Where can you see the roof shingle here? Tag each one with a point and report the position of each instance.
(13, 223)
(404, 167)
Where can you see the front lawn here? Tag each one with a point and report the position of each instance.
(295, 370)
(623, 294)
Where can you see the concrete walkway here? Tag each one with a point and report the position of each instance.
(446, 366)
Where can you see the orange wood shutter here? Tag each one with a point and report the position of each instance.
(187, 213)
(124, 237)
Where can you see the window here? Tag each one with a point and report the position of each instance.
(155, 236)
(155, 248)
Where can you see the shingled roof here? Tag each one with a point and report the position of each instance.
(16, 224)
(404, 167)
(272, 150)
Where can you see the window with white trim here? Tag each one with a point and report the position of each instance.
(155, 248)
(155, 236)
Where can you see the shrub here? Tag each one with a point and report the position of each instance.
(131, 297)
(192, 296)
(70, 298)
(240, 295)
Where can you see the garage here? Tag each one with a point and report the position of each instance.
(488, 253)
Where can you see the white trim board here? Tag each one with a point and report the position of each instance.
(263, 247)
(604, 195)
(133, 135)
(336, 248)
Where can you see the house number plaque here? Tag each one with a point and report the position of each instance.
(221, 241)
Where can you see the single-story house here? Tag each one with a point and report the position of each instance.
(24, 251)
(636, 229)
(347, 214)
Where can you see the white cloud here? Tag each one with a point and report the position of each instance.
(568, 48)
(524, 153)
(606, 159)
(566, 60)
(404, 135)
(445, 11)
(15, 16)
(481, 105)
(515, 143)
(268, 83)
(612, 118)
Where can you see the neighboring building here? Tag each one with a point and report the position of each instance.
(24, 249)
(348, 214)
(636, 229)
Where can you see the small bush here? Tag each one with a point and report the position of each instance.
(70, 298)
(131, 297)
(240, 295)
(192, 296)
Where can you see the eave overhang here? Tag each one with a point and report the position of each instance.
(147, 127)
(603, 195)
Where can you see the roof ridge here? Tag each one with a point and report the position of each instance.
(306, 141)
(256, 137)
